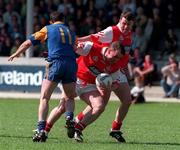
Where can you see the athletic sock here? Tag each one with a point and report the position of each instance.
(41, 125)
(69, 115)
(48, 127)
(80, 126)
(79, 117)
(116, 125)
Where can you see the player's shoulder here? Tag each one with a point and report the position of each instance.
(115, 27)
(108, 29)
(97, 47)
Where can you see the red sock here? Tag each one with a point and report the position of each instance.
(48, 127)
(80, 126)
(80, 116)
(116, 125)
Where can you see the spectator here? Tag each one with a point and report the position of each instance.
(147, 7)
(134, 61)
(2, 24)
(171, 59)
(99, 4)
(130, 5)
(137, 95)
(143, 76)
(171, 80)
(170, 43)
(145, 72)
(8, 46)
(170, 17)
(9, 13)
(148, 29)
(2, 45)
(141, 18)
(65, 5)
(157, 30)
(139, 40)
(87, 26)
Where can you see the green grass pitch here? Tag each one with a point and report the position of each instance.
(150, 126)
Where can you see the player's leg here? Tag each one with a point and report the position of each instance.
(96, 109)
(69, 95)
(46, 90)
(69, 92)
(81, 114)
(123, 93)
(54, 115)
(105, 93)
(81, 88)
(97, 104)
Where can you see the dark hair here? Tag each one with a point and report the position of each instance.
(128, 15)
(56, 16)
(177, 63)
(116, 45)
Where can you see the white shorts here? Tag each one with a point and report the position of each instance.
(84, 88)
(118, 77)
(81, 87)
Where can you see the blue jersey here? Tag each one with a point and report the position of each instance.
(62, 65)
(60, 40)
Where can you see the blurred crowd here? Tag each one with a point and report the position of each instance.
(154, 28)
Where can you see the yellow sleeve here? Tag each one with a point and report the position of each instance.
(41, 35)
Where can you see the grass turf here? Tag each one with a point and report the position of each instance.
(147, 126)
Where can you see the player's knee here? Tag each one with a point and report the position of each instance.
(99, 109)
(44, 100)
(73, 95)
(70, 96)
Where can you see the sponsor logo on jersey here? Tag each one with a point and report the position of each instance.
(95, 58)
(121, 38)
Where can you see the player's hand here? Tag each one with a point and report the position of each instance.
(13, 56)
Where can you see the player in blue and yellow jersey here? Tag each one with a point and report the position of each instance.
(61, 67)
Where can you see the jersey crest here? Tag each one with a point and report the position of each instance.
(95, 58)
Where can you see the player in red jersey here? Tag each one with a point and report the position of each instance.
(97, 59)
(122, 33)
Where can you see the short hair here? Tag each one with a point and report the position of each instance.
(172, 56)
(117, 46)
(128, 15)
(56, 16)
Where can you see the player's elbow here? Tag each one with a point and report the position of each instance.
(27, 43)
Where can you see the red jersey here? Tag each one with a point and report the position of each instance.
(93, 63)
(147, 65)
(112, 34)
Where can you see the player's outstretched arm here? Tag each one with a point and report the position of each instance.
(84, 38)
(22, 48)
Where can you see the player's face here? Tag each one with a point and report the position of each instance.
(125, 26)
